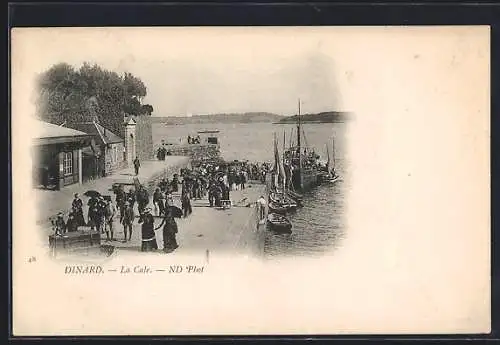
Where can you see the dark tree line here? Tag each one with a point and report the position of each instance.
(70, 95)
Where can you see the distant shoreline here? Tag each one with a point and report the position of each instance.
(325, 117)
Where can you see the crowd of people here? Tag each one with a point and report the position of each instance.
(214, 181)
(162, 152)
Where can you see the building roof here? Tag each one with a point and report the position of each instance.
(47, 133)
(49, 130)
(103, 135)
(129, 120)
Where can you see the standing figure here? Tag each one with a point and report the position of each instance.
(109, 214)
(127, 220)
(72, 223)
(131, 197)
(161, 203)
(196, 188)
(137, 165)
(101, 215)
(186, 204)
(92, 213)
(261, 203)
(175, 183)
(218, 195)
(142, 198)
(243, 179)
(169, 231)
(156, 201)
(212, 191)
(163, 184)
(148, 232)
(121, 197)
(77, 206)
(59, 224)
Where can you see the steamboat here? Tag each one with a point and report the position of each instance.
(301, 163)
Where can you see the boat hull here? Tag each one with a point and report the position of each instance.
(279, 223)
(305, 180)
(278, 199)
(280, 208)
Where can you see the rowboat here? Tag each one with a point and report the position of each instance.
(283, 200)
(277, 208)
(279, 223)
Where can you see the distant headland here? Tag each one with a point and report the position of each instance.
(253, 117)
(324, 117)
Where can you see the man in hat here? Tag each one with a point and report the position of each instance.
(101, 214)
(131, 197)
(121, 197)
(137, 165)
(59, 224)
(261, 203)
(156, 201)
(109, 214)
(148, 232)
(127, 220)
(186, 204)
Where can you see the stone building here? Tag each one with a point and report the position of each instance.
(139, 138)
(107, 148)
(57, 155)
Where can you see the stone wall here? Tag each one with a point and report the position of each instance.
(144, 138)
(114, 163)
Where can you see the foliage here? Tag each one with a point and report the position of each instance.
(70, 95)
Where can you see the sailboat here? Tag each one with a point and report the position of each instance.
(303, 163)
(279, 202)
(330, 175)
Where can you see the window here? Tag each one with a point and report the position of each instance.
(212, 140)
(68, 163)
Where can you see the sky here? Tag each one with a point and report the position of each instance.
(200, 71)
(245, 69)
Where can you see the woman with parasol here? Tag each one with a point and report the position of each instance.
(148, 231)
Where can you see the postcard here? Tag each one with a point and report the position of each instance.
(250, 180)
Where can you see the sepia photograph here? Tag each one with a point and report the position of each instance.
(323, 180)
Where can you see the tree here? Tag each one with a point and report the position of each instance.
(67, 94)
(147, 109)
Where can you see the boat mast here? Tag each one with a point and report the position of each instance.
(333, 152)
(283, 158)
(298, 128)
(328, 157)
(300, 151)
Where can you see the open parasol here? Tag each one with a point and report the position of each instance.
(92, 193)
(175, 211)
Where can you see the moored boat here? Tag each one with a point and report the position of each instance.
(295, 196)
(302, 168)
(279, 223)
(280, 208)
(283, 200)
(330, 174)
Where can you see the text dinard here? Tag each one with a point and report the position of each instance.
(137, 269)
